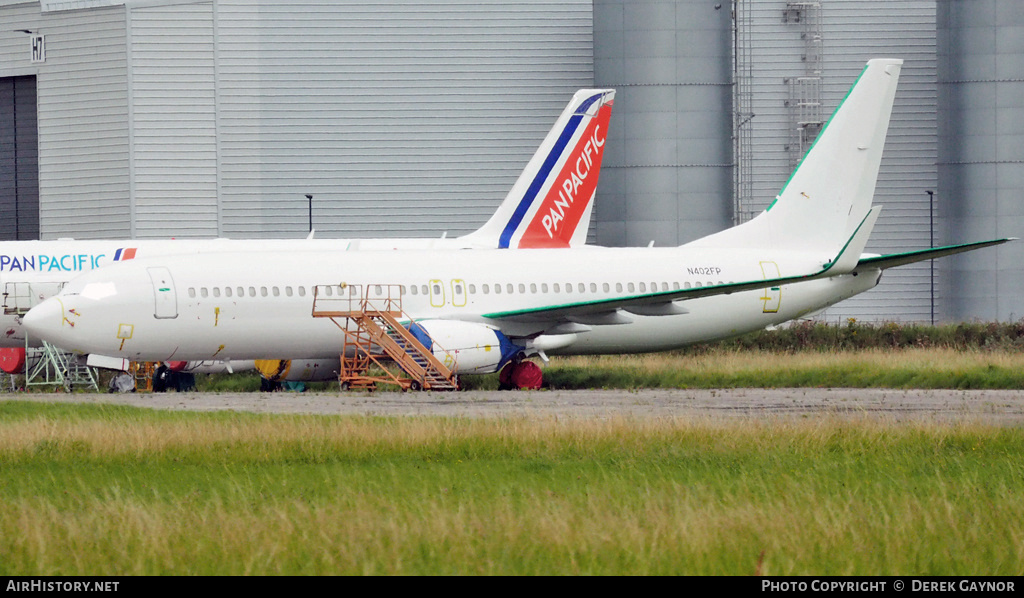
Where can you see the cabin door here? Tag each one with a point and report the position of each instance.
(772, 297)
(165, 299)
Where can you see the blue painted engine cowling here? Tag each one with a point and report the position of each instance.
(472, 348)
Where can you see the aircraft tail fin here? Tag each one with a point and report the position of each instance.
(829, 195)
(551, 202)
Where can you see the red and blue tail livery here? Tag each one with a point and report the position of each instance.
(550, 204)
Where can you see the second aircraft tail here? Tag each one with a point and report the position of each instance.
(551, 202)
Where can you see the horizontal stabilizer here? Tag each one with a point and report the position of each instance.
(899, 259)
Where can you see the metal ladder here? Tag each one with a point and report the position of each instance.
(371, 319)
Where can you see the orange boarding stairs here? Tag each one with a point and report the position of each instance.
(370, 317)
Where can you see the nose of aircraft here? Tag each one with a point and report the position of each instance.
(47, 321)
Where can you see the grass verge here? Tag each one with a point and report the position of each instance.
(106, 490)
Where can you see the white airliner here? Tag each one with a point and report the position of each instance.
(800, 255)
(548, 206)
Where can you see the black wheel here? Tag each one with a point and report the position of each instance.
(414, 385)
(345, 386)
(161, 377)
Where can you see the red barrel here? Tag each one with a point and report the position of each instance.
(12, 360)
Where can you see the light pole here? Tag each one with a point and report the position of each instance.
(310, 198)
(931, 243)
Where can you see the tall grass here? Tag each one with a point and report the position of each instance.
(737, 368)
(853, 335)
(115, 490)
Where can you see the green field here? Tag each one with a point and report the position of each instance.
(105, 490)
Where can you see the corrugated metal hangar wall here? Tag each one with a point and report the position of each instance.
(412, 118)
(216, 118)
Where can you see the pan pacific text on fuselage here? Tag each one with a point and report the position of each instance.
(50, 263)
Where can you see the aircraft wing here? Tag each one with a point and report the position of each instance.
(899, 259)
(617, 310)
(604, 311)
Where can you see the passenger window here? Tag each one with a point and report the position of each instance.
(593, 287)
(557, 288)
(192, 292)
(415, 290)
(631, 287)
(543, 287)
(605, 287)
(618, 287)
(204, 293)
(302, 291)
(216, 291)
(533, 287)
(276, 291)
(643, 287)
(288, 291)
(509, 288)
(487, 289)
(472, 289)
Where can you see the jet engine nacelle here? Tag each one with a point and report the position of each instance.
(13, 360)
(470, 348)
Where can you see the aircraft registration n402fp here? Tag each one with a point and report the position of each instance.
(796, 257)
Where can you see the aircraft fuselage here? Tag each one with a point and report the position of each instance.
(259, 305)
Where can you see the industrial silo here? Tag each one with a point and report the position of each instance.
(980, 192)
(668, 175)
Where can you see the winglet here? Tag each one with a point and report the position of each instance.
(850, 256)
(551, 202)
